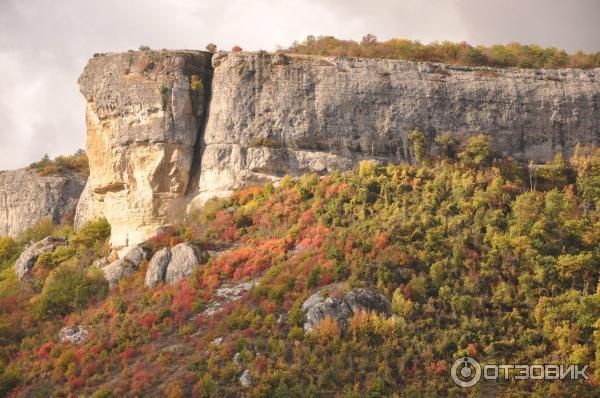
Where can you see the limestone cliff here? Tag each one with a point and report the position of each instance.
(162, 136)
(272, 115)
(26, 198)
(144, 113)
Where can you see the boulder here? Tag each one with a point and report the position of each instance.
(317, 307)
(157, 268)
(124, 266)
(73, 334)
(27, 259)
(245, 379)
(227, 294)
(182, 264)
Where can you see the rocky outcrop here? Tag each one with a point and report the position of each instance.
(154, 149)
(124, 266)
(272, 115)
(86, 210)
(317, 307)
(26, 198)
(73, 334)
(26, 261)
(171, 265)
(183, 262)
(144, 114)
(157, 267)
(245, 379)
(226, 294)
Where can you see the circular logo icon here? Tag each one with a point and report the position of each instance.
(465, 372)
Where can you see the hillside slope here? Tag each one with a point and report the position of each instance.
(475, 256)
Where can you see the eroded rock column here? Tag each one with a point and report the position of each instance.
(144, 113)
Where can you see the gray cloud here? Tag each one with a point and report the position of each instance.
(44, 44)
(572, 25)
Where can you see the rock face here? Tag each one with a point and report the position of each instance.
(317, 307)
(156, 145)
(26, 198)
(73, 335)
(123, 266)
(171, 265)
(27, 259)
(86, 210)
(144, 114)
(157, 267)
(272, 115)
(227, 294)
(245, 379)
(182, 264)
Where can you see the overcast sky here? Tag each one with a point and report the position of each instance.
(44, 44)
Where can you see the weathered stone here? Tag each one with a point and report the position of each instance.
(227, 294)
(27, 198)
(144, 112)
(73, 335)
(154, 150)
(85, 211)
(272, 115)
(157, 267)
(182, 264)
(124, 266)
(28, 257)
(245, 379)
(317, 307)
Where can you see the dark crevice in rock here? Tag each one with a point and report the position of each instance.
(199, 146)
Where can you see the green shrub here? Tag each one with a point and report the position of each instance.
(510, 55)
(73, 164)
(40, 230)
(9, 379)
(9, 249)
(92, 232)
(264, 142)
(419, 145)
(68, 289)
(448, 144)
(477, 150)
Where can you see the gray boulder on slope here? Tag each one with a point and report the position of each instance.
(157, 267)
(124, 266)
(317, 307)
(27, 259)
(183, 262)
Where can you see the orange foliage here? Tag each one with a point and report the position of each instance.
(184, 298)
(246, 260)
(245, 195)
(148, 320)
(314, 237)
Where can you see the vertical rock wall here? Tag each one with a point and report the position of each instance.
(27, 198)
(161, 137)
(273, 114)
(144, 114)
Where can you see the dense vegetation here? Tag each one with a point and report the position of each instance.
(61, 165)
(510, 55)
(479, 256)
